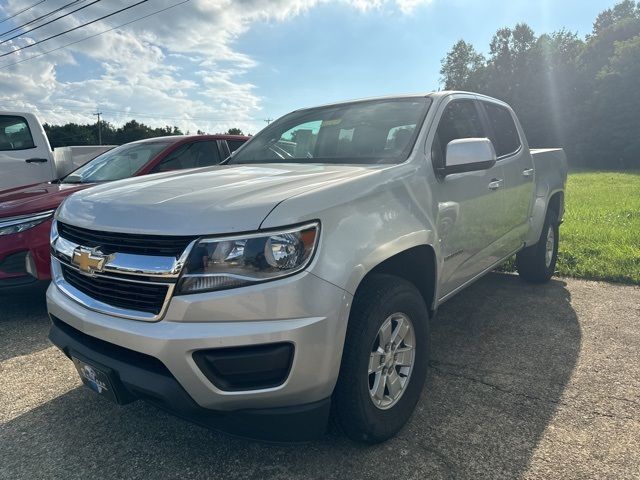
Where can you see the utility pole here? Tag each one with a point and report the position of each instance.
(99, 127)
(268, 120)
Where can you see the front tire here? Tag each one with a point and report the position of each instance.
(537, 263)
(385, 359)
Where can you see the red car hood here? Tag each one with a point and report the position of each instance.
(35, 198)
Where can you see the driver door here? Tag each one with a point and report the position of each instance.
(22, 162)
(470, 204)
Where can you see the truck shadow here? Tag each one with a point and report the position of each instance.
(502, 354)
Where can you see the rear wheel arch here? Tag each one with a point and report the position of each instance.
(556, 203)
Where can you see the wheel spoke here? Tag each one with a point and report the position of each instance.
(385, 333)
(394, 384)
(378, 386)
(400, 331)
(376, 361)
(404, 356)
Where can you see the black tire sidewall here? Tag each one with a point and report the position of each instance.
(531, 262)
(360, 418)
(550, 223)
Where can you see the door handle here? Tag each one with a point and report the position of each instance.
(528, 172)
(496, 183)
(36, 160)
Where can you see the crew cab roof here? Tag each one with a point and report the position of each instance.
(435, 94)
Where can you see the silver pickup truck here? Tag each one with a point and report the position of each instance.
(296, 280)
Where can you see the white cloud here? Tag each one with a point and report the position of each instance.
(147, 68)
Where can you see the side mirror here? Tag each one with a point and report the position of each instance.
(468, 155)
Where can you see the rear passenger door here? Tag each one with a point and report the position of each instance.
(470, 208)
(517, 165)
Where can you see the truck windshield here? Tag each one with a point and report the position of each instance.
(365, 132)
(120, 162)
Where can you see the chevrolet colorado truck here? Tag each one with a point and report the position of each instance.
(296, 280)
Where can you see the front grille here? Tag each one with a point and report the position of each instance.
(144, 297)
(112, 242)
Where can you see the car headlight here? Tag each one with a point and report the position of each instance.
(53, 234)
(227, 262)
(23, 222)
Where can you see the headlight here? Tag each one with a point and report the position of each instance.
(221, 263)
(53, 234)
(24, 222)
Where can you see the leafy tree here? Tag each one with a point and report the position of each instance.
(622, 11)
(234, 131)
(579, 94)
(75, 134)
(615, 106)
(459, 65)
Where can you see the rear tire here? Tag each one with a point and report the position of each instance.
(537, 263)
(384, 363)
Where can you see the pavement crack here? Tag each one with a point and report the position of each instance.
(492, 385)
(623, 399)
(500, 389)
(441, 457)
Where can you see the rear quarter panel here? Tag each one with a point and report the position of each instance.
(551, 169)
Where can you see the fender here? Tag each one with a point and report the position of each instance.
(370, 219)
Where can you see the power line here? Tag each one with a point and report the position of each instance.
(22, 11)
(19, 27)
(47, 23)
(94, 35)
(73, 29)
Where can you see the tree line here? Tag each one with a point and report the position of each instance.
(89, 134)
(582, 94)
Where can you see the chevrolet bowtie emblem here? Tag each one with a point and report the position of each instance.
(88, 260)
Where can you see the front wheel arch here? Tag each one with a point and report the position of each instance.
(416, 265)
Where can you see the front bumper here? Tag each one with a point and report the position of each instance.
(146, 379)
(303, 310)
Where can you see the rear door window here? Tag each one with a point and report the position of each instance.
(504, 136)
(14, 133)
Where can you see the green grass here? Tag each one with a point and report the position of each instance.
(600, 236)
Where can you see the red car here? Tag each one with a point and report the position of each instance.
(25, 212)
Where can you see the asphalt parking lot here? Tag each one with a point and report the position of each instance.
(525, 382)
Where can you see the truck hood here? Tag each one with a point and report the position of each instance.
(214, 200)
(35, 198)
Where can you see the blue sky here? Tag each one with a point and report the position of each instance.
(215, 64)
(333, 53)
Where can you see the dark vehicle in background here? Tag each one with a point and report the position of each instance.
(26, 212)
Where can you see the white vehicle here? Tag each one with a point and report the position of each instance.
(26, 156)
(297, 278)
